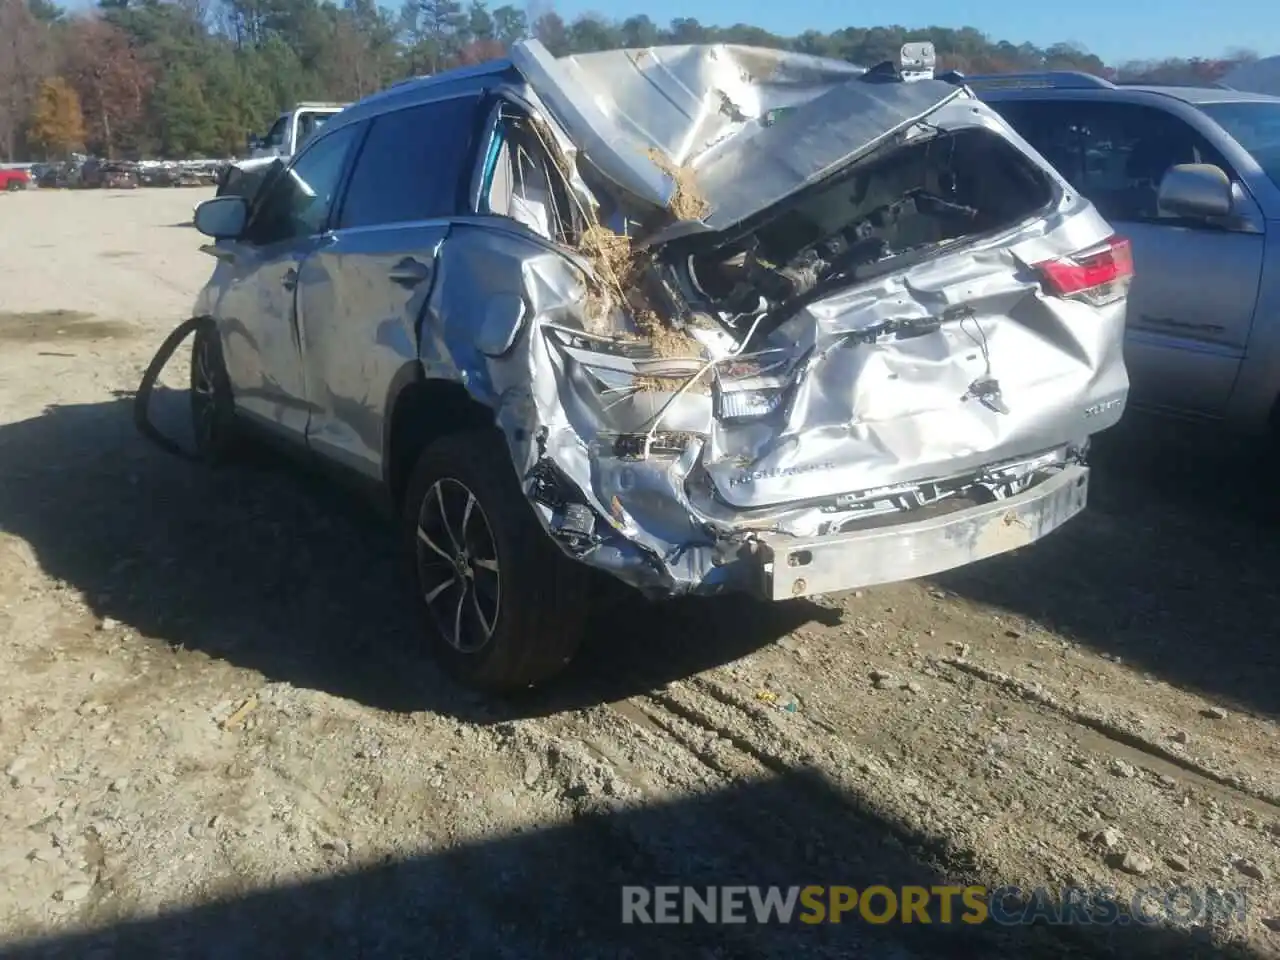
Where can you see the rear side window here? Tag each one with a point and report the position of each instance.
(412, 165)
(309, 123)
(527, 186)
(1114, 153)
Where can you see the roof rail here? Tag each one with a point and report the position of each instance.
(1196, 84)
(1050, 80)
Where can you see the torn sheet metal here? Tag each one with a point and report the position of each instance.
(875, 430)
(684, 102)
(753, 125)
(765, 164)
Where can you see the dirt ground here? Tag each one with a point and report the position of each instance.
(219, 737)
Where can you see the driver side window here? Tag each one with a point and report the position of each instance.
(298, 201)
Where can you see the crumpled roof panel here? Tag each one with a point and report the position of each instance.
(753, 124)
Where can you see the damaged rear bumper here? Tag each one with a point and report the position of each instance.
(800, 567)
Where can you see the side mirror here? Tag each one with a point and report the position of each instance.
(252, 141)
(1200, 191)
(222, 218)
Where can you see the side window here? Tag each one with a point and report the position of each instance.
(1036, 123)
(298, 201)
(412, 166)
(309, 123)
(1114, 153)
(1018, 114)
(525, 184)
(275, 136)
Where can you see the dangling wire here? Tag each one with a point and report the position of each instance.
(980, 341)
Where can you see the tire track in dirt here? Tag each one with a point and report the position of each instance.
(838, 836)
(735, 736)
(635, 737)
(1257, 798)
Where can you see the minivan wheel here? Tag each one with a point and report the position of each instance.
(504, 609)
(212, 410)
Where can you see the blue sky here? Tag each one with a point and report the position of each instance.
(1115, 31)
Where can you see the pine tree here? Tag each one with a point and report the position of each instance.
(189, 126)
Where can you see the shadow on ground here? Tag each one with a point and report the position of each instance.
(1174, 567)
(499, 898)
(272, 571)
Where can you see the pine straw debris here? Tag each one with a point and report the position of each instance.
(621, 268)
(687, 202)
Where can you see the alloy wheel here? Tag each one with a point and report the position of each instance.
(458, 565)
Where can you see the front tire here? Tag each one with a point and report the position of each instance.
(503, 608)
(212, 408)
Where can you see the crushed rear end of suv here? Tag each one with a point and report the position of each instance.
(743, 321)
(834, 328)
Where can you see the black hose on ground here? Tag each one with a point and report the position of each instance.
(142, 399)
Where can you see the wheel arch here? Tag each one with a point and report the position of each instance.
(421, 410)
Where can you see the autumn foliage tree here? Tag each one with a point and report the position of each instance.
(112, 81)
(57, 125)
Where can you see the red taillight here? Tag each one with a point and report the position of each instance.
(1099, 275)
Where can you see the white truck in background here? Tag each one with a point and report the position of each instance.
(289, 131)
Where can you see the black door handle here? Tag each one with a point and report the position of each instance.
(409, 272)
(290, 280)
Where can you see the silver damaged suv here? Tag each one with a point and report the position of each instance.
(699, 318)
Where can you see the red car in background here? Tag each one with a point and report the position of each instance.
(14, 180)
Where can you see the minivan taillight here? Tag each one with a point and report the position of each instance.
(1099, 275)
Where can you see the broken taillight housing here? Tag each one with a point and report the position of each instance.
(1099, 275)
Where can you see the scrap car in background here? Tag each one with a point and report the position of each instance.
(108, 174)
(701, 318)
(13, 179)
(1192, 177)
(90, 172)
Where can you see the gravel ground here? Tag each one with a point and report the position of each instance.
(219, 737)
